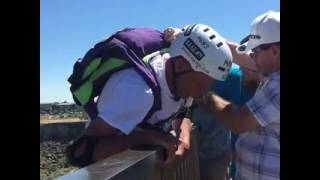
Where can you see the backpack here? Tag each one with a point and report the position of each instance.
(124, 49)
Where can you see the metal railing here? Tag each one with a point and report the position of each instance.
(142, 165)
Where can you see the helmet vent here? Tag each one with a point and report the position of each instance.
(221, 68)
(206, 29)
(212, 37)
(219, 44)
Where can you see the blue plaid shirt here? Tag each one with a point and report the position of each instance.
(258, 151)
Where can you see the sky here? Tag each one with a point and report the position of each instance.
(69, 28)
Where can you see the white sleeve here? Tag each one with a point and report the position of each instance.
(125, 101)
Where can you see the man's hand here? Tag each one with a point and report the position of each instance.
(170, 34)
(182, 148)
(171, 145)
(175, 145)
(184, 137)
(243, 60)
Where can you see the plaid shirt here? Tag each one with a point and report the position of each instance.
(258, 151)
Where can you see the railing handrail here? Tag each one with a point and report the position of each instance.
(142, 164)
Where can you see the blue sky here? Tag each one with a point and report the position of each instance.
(68, 28)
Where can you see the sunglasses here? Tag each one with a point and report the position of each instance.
(258, 49)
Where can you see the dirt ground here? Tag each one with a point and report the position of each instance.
(52, 160)
(52, 154)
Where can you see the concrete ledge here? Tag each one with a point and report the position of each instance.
(65, 131)
(129, 164)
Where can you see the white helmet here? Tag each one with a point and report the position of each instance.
(204, 49)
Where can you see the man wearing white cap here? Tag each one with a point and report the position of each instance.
(257, 122)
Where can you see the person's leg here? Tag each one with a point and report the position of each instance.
(81, 151)
(214, 169)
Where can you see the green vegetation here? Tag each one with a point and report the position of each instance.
(62, 110)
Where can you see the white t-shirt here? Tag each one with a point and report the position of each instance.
(126, 98)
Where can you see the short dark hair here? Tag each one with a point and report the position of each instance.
(266, 46)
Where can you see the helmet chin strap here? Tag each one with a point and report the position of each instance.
(175, 75)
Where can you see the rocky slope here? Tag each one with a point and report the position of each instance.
(52, 160)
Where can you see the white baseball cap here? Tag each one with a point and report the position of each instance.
(265, 29)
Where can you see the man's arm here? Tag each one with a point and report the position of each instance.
(237, 119)
(108, 146)
(110, 142)
(184, 136)
(243, 60)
